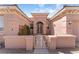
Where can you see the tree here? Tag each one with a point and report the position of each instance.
(24, 31)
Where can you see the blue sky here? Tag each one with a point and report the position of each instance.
(40, 8)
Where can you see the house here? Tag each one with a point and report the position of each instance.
(64, 22)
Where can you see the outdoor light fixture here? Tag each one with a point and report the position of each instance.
(70, 22)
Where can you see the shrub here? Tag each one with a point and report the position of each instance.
(24, 31)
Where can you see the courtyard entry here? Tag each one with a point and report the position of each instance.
(39, 38)
(40, 45)
(40, 41)
(39, 28)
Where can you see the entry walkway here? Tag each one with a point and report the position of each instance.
(41, 51)
(40, 45)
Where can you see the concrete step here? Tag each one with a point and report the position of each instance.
(41, 51)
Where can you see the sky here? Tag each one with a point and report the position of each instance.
(40, 8)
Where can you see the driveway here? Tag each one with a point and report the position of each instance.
(40, 51)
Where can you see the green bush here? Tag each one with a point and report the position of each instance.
(24, 31)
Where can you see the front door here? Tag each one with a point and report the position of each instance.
(39, 28)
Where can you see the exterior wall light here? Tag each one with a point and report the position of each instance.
(70, 23)
(48, 27)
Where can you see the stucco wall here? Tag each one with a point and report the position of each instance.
(65, 41)
(60, 41)
(60, 26)
(73, 28)
(15, 42)
(12, 22)
(51, 41)
(1, 37)
(51, 28)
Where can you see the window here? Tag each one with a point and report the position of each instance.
(1, 23)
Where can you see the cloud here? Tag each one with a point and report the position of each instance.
(45, 10)
(58, 7)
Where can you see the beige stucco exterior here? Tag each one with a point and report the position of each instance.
(74, 26)
(16, 42)
(60, 41)
(61, 23)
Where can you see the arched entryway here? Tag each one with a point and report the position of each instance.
(39, 28)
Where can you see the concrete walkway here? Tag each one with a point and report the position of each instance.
(41, 51)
